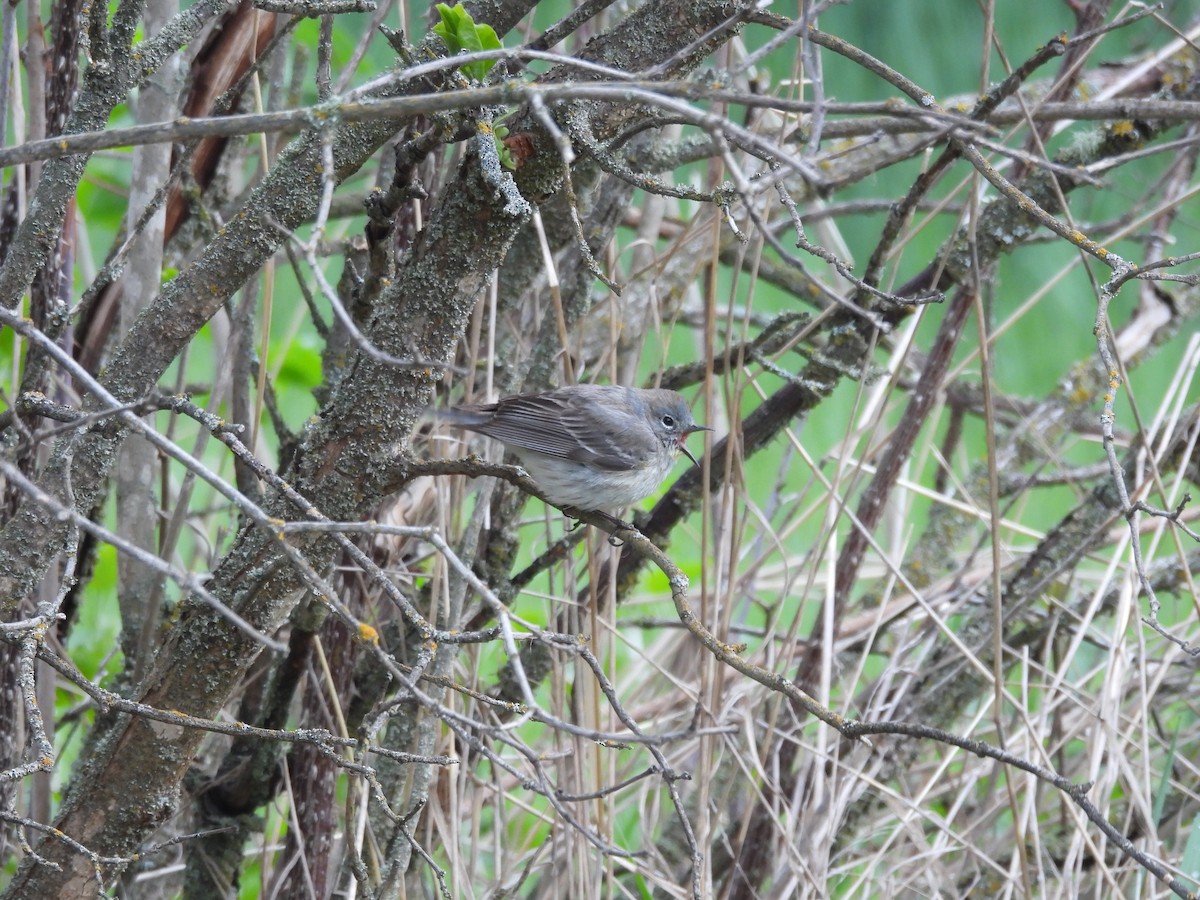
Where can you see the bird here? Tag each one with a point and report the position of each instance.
(588, 446)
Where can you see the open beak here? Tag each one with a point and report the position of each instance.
(683, 447)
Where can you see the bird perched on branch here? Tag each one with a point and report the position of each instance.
(588, 446)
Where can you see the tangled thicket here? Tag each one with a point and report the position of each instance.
(923, 621)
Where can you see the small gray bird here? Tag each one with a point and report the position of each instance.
(588, 446)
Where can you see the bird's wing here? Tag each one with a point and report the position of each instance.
(584, 429)
(609, 438)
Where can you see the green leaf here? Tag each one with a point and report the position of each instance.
(460, 33)
(1164, 785)
(1189, 863)
(499, 133)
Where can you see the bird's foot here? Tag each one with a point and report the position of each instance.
(618, 524)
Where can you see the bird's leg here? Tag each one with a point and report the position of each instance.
(569, 512)
(617, 523)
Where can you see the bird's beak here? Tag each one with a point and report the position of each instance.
(683, 447)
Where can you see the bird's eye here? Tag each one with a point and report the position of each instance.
(668, 421)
